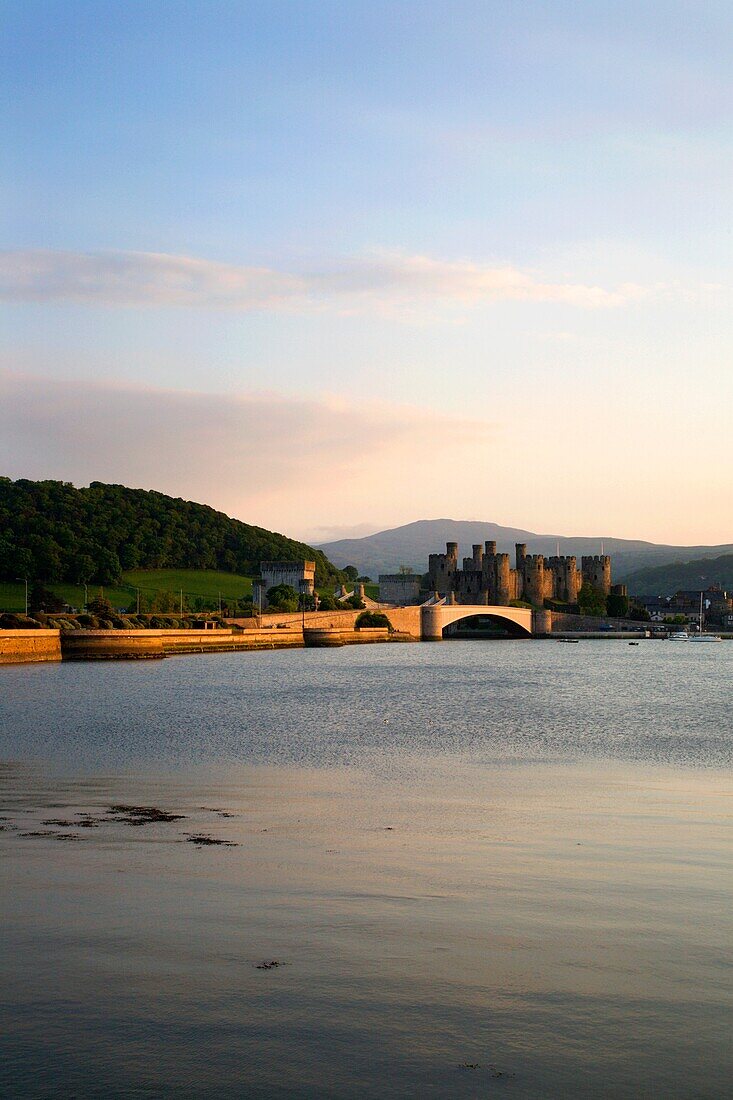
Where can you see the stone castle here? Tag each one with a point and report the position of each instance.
(487, 577)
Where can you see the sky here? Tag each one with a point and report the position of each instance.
(333, 267)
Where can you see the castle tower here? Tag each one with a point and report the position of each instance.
(566, 578)
(534, 579)
(597, 571)
(475, 562)
(443, 569)
(521, 553)
(503, 592)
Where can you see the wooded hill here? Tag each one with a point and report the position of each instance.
(51, 531)
(693, 576)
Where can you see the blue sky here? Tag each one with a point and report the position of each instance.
(454, 226)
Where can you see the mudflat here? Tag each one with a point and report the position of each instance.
(467, 869)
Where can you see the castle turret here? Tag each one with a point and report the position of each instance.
(475, 562)
(521, 553)
(566, 578)
(503, 593)
(534, 579)
(443, 569)
(597, 571)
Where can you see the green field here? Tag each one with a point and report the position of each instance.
(203, 583)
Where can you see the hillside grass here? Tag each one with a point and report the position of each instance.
(202, 583)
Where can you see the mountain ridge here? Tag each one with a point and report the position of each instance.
(410, 544)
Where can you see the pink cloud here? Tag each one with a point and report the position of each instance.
(390, 281)
(258, 456)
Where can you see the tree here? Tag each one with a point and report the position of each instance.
(406, 570)
(373, 618)
(591, 600)
(47, 526)
(351, 572)
(328, 603)
(100, 606)
(164, 602)
(617, 606)
(283, 597)
(42, 599)
(108, 569)
(82, 569)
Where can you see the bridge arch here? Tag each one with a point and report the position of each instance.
(435, 617)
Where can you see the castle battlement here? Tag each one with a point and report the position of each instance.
(487, 576)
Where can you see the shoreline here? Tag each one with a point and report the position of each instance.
(45, 646)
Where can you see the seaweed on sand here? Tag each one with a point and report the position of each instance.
(203, 839)
(142, 815)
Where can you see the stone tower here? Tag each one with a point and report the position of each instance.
(597, 571)
(534, 579)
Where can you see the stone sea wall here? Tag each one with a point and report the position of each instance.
(21, 646)
(405, 620)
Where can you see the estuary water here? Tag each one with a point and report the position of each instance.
(470, 869)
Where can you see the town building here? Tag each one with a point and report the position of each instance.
(716, 604)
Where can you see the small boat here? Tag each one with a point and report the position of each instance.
(633, 643)
(568, 641)
(679, 636)
(701, 637)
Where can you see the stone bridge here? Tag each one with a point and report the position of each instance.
(435, 617)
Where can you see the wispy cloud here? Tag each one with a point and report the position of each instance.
(261, 456)
(390, 281)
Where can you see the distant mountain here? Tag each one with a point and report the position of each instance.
(665, 580)
(386, 551)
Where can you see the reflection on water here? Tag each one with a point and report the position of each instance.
(484, 869)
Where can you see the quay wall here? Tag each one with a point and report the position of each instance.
(566, 621)
(139, 644)
(22, 646)
(218, 641)
(106, 645)
(315, 637)
(405, 620)
(19, 646)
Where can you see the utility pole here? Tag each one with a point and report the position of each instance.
(86, 595)
(220, 603)
(181, 601)
(138, 600)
